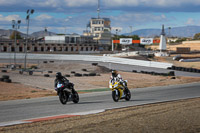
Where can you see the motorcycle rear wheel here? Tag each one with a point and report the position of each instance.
(63, 97)
(115, 96)
(75, 97)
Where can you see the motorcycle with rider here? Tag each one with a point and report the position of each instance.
(119, 87)
(65, 89)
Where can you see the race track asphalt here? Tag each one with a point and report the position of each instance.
(15, 110)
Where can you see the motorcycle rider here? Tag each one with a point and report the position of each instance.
(65, 81)
(117, 77)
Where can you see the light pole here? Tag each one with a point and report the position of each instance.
(169, 31)
(29, 12)
(117, 30)
(131, 27)
(15, 26)
(169, 38)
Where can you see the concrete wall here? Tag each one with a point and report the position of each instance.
(191, 42)
(89, 58)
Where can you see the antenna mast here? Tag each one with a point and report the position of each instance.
(98, 10)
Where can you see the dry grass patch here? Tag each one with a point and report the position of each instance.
(13, 91)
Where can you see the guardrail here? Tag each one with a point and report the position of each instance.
(89, 52)
(87, 58)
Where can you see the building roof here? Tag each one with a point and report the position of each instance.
(106, 19)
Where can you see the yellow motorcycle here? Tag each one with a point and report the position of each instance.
(119, 91)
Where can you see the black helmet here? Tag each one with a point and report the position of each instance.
(58, 75)
(114, 73)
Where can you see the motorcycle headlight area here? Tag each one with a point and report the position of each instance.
(115, 86)
(110, 86)
(59, 85)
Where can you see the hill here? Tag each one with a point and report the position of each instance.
(185, 31)
(42, 33)
(7, 33)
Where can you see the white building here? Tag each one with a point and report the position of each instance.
(100, 29)
(171, 39)
(69, 39)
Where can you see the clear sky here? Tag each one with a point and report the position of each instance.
(72, 16)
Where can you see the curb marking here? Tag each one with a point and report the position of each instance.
(11, 123)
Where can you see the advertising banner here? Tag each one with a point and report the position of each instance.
(146, 41)
(126, 41)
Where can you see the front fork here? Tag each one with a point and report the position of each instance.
(116, 91)
(119, 92)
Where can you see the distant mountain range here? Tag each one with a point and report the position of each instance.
(42, 34)
(185, 31)
(7, 33)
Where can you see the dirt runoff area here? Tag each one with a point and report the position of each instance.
(170, 117)
(25, 86)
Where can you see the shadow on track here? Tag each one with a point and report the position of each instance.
(90, 102)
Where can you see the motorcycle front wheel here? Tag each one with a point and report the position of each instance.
(63, 97)
(75, 97)
(128, 95)
(115, 96)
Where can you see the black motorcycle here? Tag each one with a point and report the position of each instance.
(67, 94)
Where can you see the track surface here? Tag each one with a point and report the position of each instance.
(94, 102)
(50, 106)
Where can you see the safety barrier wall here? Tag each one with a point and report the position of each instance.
(91, 58)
